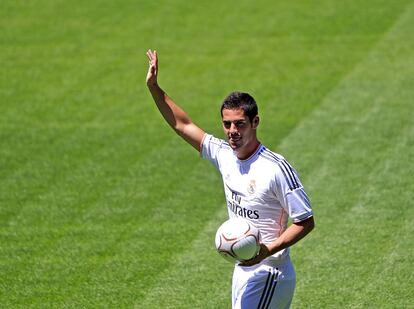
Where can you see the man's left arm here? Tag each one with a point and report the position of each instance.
(295, 232)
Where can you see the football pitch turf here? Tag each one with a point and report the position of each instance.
(102, 206)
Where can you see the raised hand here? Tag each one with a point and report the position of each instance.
(153, 67)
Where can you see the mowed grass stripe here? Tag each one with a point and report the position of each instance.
(59, 214)
(380, 71)
(53, 123)
(86, 247)
(64, 76)
(363, 235)
(359, 201)
(197, 277)
(288, 61)
(54, 165)
(156, 229)
(388, 281)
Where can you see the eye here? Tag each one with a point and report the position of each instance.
(240, 124)
(227, 124)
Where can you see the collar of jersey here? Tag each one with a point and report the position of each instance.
(253, 155)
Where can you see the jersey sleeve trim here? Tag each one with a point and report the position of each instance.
(202, 144)
(303, 218)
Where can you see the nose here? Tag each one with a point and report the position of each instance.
(233, 128)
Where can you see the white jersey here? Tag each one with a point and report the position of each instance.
(264, 188)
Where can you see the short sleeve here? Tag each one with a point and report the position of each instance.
(298, 205)
(210, 148)
(291, 193)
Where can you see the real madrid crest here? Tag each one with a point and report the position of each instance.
(251, 188)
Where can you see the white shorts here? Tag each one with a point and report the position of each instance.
(266, 285)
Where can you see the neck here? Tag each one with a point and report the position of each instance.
(243, 154)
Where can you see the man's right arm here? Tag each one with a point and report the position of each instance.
(172, 113)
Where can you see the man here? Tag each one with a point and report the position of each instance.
(259, 185)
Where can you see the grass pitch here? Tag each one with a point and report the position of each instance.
(101, 205)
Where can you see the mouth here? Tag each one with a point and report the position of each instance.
(234, 139)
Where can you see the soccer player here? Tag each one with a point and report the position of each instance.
(260, 186)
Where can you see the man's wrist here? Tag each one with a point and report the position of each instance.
(153, 85)
(273, 248)
(264, 251)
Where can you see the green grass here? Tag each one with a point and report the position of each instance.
(101, 205)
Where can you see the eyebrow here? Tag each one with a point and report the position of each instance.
(238, 123)
(234, 121)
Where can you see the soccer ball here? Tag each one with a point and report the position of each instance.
(237, 240)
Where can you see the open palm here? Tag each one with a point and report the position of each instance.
(153, 67)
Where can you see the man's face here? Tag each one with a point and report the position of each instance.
(239, 130)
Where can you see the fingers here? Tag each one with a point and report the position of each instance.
(250, 262)
(152, 57)
(261, 255)
(149, 54)
(153, 67)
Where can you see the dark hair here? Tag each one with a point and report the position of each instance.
(242, 100)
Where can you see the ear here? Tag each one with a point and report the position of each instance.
(256, 121)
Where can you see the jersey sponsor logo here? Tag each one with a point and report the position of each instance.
(234, 206)
(243, 212)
